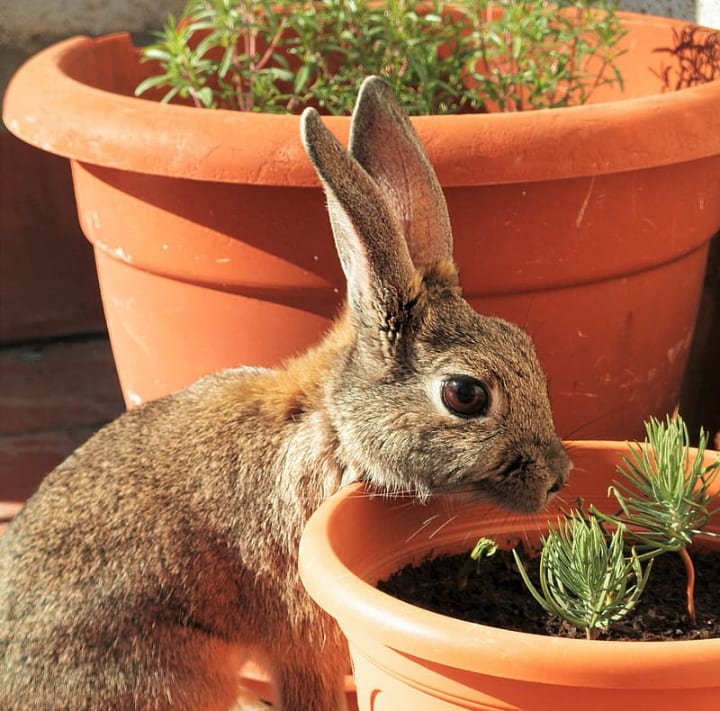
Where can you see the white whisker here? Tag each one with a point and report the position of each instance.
(443, 525)
(423, 526)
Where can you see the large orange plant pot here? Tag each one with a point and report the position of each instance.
(408, 658)
(588, 225)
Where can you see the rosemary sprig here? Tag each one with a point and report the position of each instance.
(440, 56)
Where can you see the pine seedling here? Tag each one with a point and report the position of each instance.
(665, 498)
(586, 576)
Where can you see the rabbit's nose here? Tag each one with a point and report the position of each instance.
(557, 482)
(559, 465)
(556, 485)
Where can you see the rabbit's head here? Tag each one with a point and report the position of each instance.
(429, 396)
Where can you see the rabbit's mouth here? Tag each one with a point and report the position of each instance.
(527, 485)
(520, 484)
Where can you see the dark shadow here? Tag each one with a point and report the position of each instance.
(699, 401)
(693, 59)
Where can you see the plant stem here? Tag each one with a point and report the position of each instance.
(598, 78)
(272, 46)
(571, 66)
(690, 588)
(196, 102)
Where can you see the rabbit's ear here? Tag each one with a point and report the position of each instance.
(384, 142)
(382, 280)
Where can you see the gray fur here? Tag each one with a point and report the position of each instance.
(163, 550)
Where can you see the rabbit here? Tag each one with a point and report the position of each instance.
(163, 551)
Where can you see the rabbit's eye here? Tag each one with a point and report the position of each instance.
(464, 396)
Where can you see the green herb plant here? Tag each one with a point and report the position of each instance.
(665, 499)
(440, 56)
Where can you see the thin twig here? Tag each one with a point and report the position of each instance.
(690, 589)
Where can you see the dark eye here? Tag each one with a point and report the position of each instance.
(464, 396)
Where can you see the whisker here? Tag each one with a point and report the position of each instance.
(572, 434)
(423, 526)
(526, 321)
(441, 526)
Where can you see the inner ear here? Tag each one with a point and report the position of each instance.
(384, 142)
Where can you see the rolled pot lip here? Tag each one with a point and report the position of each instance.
(65, 116)
(409, 630)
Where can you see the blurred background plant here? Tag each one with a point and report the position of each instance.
(440, 57)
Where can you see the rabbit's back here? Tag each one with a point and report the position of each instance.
(149, 548)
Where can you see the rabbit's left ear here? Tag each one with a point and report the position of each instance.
(384, 142)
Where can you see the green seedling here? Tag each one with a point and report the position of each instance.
(484, 548)
(586, 576)
(666, 498)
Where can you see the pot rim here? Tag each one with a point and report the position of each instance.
(93, 125)
(383, 619)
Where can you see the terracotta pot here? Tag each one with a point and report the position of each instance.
(589, 225)
(408, 658)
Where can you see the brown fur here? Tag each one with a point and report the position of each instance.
(165, 548)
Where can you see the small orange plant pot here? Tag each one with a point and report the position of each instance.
(405, 657)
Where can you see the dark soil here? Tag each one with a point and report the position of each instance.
(495, 595)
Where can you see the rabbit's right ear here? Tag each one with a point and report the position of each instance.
(384, 142)
(383, 283)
